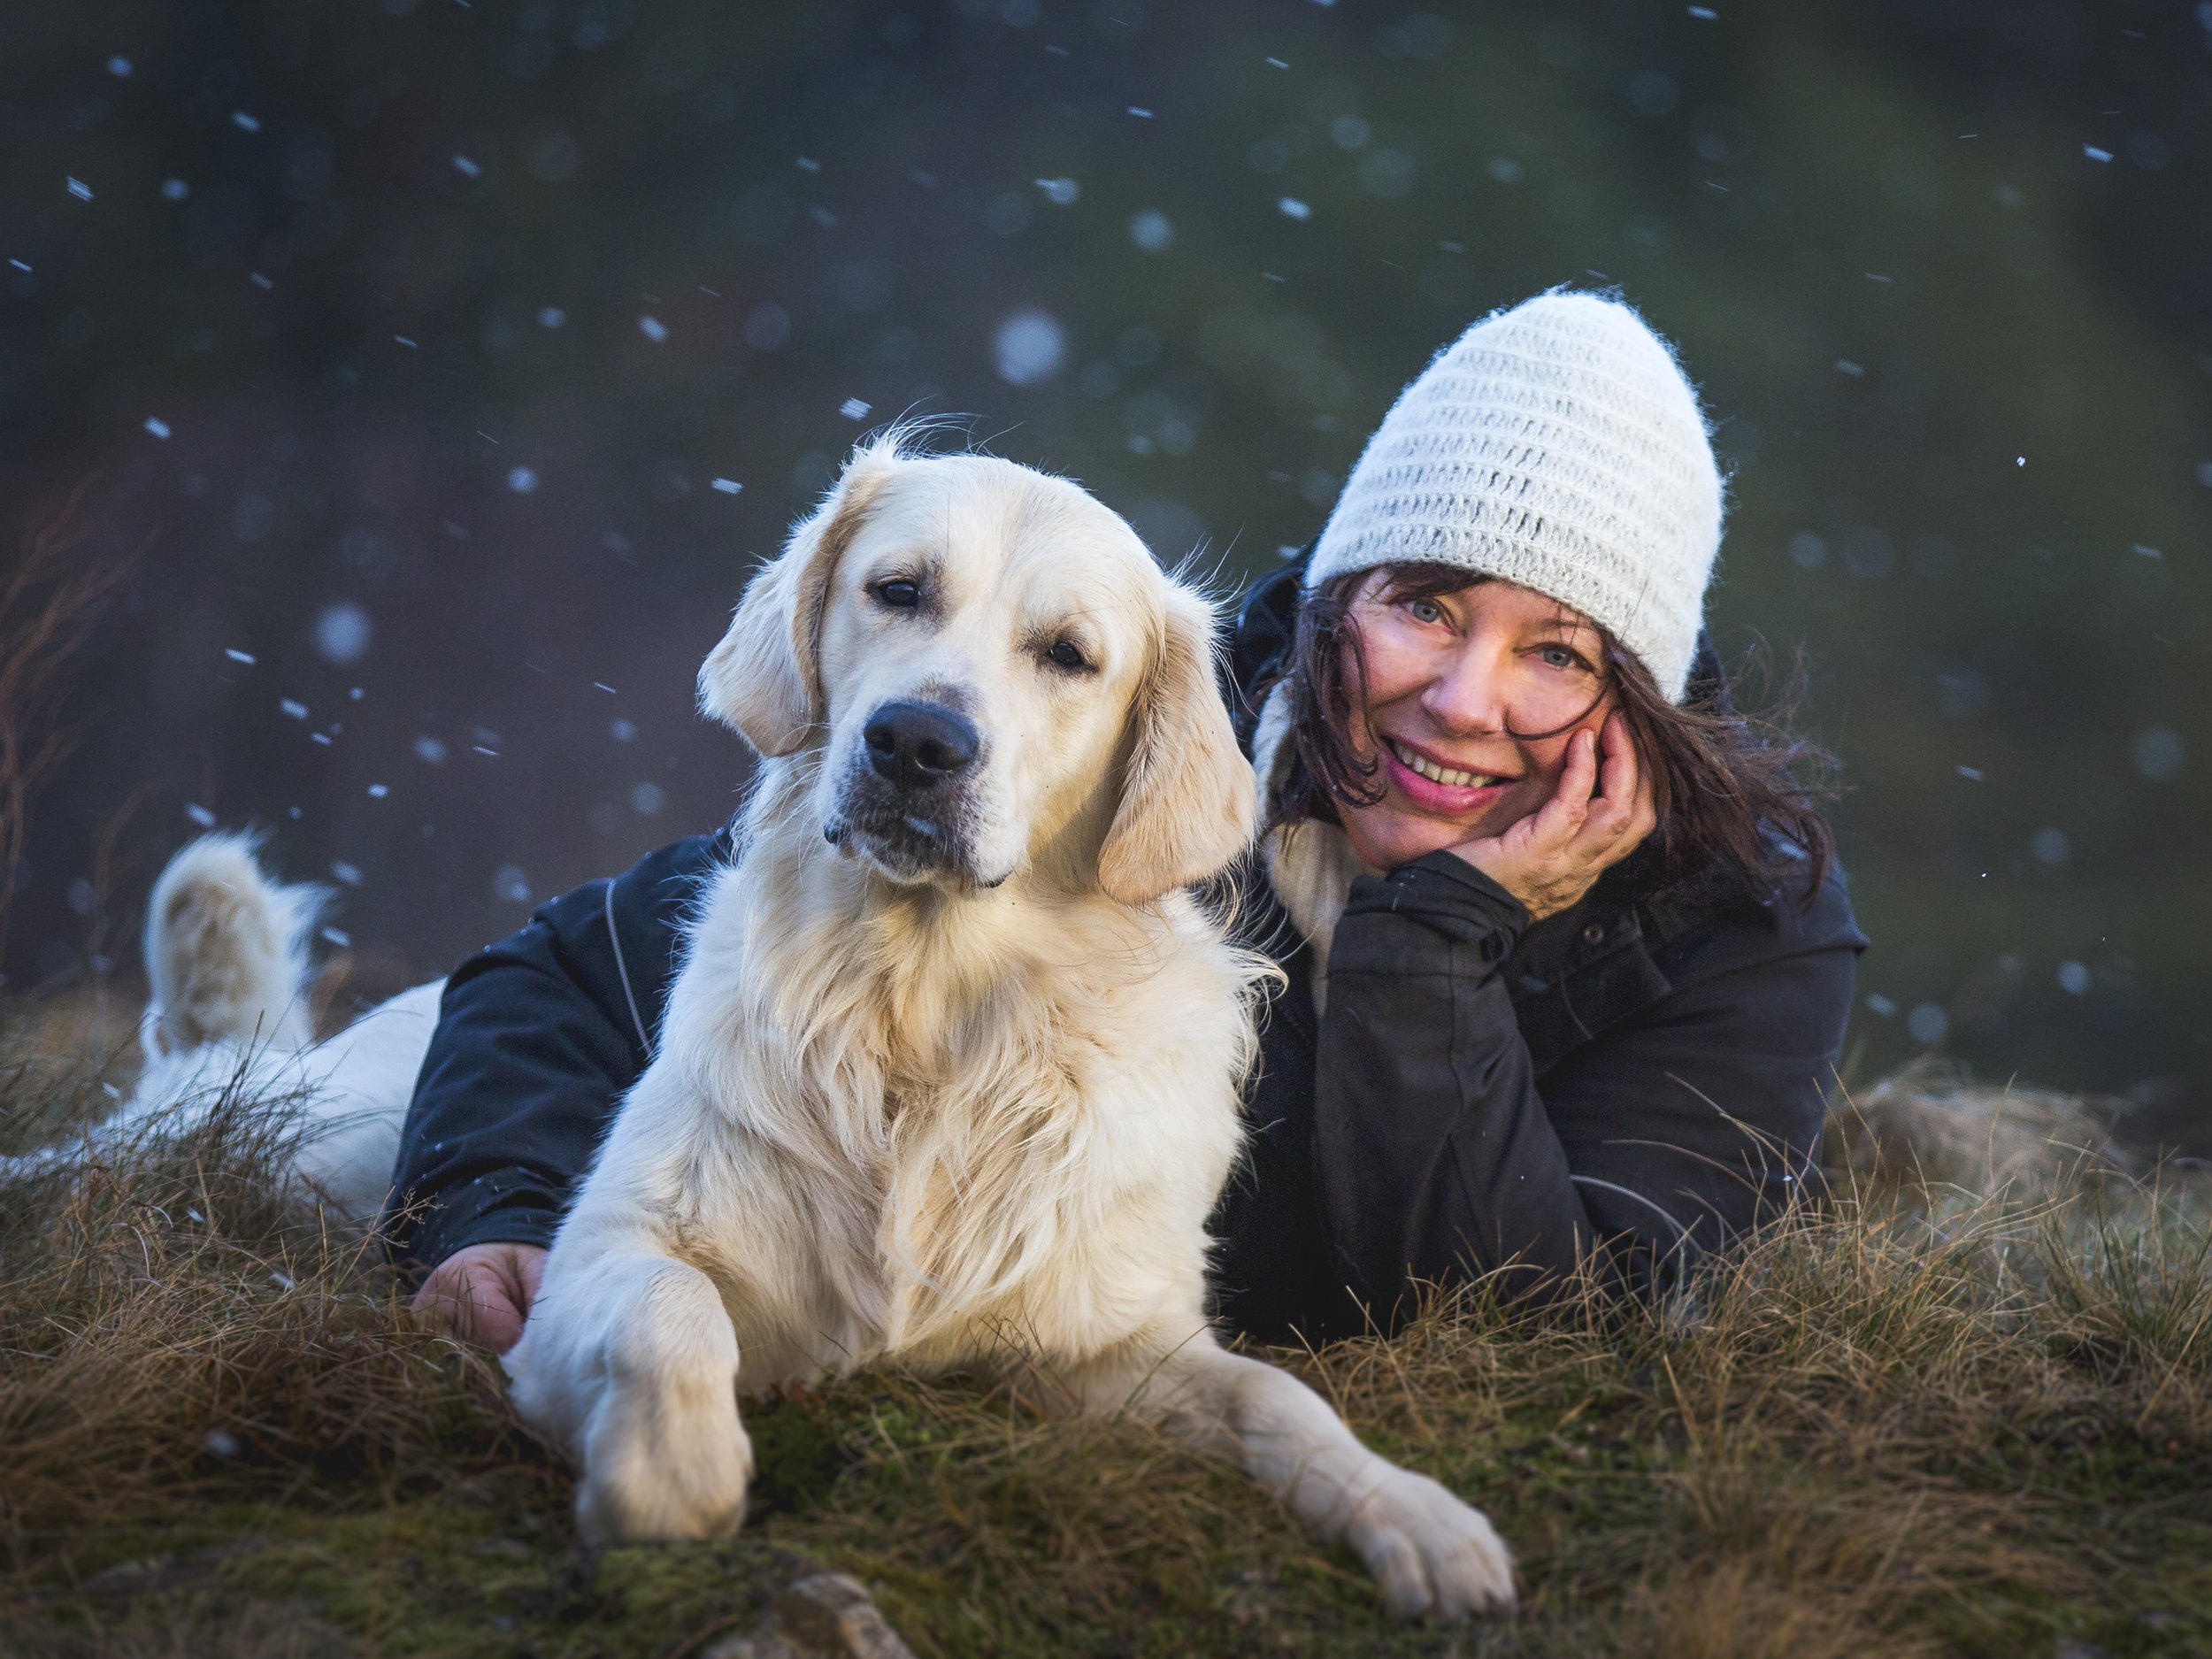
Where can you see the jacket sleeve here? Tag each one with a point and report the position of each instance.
(538, 1038)
(1437, 1155)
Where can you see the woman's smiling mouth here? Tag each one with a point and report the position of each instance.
(1451, 777)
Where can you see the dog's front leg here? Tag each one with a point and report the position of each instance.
(1432, 1555)
(630, 1360)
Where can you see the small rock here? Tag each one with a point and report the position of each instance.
(831, 1614)
(818, 1616)
(2070, 1647)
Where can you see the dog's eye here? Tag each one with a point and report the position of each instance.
(899, 593)
(1064, 654)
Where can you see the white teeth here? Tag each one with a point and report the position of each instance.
(1450, 776)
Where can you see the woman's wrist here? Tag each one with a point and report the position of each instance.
(1540, 897)
(1445, 893)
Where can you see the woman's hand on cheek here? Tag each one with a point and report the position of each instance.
(1600, 813)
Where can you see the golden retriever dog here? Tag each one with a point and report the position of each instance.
(949, 1076)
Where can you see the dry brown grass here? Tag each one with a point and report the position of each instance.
(1909, 1421)
(1930, 1127)
(172, 1328)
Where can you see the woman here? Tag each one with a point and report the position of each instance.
(1566, 959)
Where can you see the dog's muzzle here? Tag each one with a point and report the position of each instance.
(918, 747)
(904, 808)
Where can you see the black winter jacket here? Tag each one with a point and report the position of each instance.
(1637, 1077)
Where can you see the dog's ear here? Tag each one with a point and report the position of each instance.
(1187, 796)
(764, 679)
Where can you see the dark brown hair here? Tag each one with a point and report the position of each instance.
(1725, 786)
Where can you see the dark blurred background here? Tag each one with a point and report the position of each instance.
(441, 369)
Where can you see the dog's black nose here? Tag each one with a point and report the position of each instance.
(916, 745)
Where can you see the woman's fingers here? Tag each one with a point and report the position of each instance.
(1642, 815)
(1619, 778)
(1626, 790)
(1623, 789)
(1569, 804)
(483, 1292)
(530, 1273)
(1647, 815)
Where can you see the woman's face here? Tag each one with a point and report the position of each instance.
(1451, 678)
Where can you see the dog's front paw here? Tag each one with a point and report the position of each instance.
(1432, 1555)
(630, 1495)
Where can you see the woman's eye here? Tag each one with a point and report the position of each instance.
(1064, 654)
(1560, 656)
(899, 593)
(1424, 611)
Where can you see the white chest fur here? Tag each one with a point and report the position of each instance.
(914, 1128)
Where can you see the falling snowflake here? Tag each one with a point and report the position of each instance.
(2159, 752)
(342, 633)
(1028, 347)
(1151, 230)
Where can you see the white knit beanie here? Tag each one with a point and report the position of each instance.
(1556, 445)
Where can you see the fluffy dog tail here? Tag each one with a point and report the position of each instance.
(227, 951)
